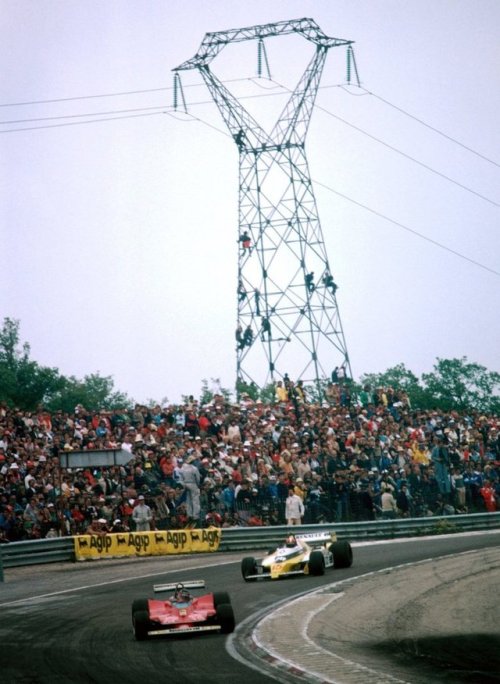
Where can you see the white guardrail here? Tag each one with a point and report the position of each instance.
(62, 549)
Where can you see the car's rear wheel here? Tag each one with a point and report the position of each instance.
(342, 554)
(139, 605)
(221, 597)
(316, 563)
(141, 622)
(248, 567)
(225, 618)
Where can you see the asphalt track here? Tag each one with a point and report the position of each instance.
(432, 621)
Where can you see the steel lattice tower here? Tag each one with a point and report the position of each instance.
(286, 295)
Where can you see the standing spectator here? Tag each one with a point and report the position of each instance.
(488, 494)
(190, 478)
(441, 461)
(388, 503)
(142, 516)
(294, 508)
(458, 486)
(403, 502)
(281, 395)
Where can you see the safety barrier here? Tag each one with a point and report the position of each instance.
(62, 549)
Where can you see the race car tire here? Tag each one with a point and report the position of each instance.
(221, 597)
(225, 618)
(342, 554)
(316, 563)
(248, 567)
(141, 622)
(139, 605)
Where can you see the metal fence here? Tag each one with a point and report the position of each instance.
(60, 550)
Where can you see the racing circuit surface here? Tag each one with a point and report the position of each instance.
(71, 623)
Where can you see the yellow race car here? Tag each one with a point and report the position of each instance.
(305, 554)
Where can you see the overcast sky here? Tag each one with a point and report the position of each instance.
(119, 229)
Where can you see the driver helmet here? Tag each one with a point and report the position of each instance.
(290, 541)
(181, 594)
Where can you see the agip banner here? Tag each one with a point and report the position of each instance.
(157, 543)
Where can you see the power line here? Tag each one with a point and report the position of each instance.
(81, 123)
(403, 154)
(432, 128)
(171, 112)
(116, 94)
(115, 111)
(258, 81)
(410, 230)
(408, 156)
(380, 215)
(326, 111)
(78, 116)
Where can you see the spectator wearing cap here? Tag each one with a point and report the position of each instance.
(142, 515)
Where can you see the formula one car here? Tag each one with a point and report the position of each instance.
(305, 554)
(182, 613)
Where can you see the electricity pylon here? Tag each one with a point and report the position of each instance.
(288, 320)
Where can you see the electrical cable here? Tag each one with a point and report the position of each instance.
(145, 112)
(380, 215)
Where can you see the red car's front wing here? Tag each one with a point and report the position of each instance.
(167, 618)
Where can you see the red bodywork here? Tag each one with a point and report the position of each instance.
(196, 615)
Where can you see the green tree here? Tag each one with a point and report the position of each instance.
(23, 383)
(93, 392)
(399, 378)
(209, 391)
(460, 385)
(26, 385)
(267, 394)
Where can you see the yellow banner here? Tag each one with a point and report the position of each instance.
(157, 543)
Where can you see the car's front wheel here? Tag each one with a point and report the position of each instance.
(225, 618)
(248, 567)
(141, 622)
(139, 605)
(221, 597)
(342, 554)
(316, 563)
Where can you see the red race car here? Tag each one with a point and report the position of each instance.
(182, 613)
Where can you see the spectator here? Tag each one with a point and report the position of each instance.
(190, 479)
(142, 515)
(294, 508)
(388, 503)
(489, 498)
(403, 502)
(441, 461)
(98, 527)
(345, 444)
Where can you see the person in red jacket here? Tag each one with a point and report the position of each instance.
(489, 498)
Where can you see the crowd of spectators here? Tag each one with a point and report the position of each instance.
(228, 464)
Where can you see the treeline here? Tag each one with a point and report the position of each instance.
(453, 384)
